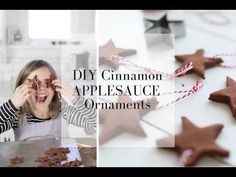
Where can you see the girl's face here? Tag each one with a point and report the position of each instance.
(42, 96)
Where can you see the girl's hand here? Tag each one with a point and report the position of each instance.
(65, 89)
(21, 94)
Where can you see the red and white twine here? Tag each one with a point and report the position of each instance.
(130, 64)
(180, 72)
(177, 73)
(194, 89)
(214, 17)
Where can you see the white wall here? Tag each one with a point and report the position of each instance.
(2, 24)
(83, 21)
(2, 35)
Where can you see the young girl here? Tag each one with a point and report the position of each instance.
(38, 103)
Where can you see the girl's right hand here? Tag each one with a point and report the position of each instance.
(21, 94)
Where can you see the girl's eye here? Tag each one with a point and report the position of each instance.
(47, 84)
(34, 86)
(38, 83)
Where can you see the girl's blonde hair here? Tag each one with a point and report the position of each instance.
(55, 105)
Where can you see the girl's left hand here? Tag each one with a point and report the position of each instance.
(65, 90)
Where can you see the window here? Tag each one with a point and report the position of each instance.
(49, 24)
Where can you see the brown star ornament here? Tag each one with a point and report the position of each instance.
(199, 141)
(108, 50)
(49, 82)
(227, 95)
(199, 61)
(37, 83)
(117, 121)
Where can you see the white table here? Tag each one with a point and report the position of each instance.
(214, 39)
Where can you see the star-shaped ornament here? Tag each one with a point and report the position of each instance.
(107, 51)
(117, 121)
(49, 82)
(37, 83)
(165, 26)
(195, 142)
(227, 95)
(199, 61)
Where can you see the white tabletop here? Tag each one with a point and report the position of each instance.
(214, 39)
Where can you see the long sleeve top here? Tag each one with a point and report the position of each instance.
(76, 114)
